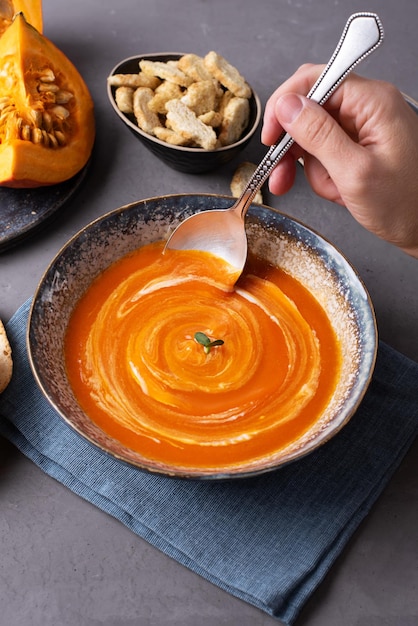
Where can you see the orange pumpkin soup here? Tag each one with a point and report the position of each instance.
(139, 372)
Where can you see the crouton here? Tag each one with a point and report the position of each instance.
(240, 179)
(227, 74)
(146, 119)
(184, 122)
(165, 71)
(235, 120)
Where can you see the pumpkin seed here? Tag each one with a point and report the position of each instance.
(48, 76)
(61, 112)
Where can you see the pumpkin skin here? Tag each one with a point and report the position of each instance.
(32, 10)
(47, 125)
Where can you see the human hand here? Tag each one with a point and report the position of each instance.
(360, 150)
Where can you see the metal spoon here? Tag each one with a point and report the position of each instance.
(222, 231)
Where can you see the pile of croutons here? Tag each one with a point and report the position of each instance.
(195, 101)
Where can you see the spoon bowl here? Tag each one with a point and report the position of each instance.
(218, 231)
(222, 231)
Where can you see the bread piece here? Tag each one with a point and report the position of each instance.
(211, 118)
(170, 136)
(184, 122)
(227, 74)
(164, 92)
(146, 119)
(235, 120)
(166, 71)
(240, 179)
(6, 363)
(124, 98)
(226, 97)
(133, 80)
(203, 96)
(194, 66)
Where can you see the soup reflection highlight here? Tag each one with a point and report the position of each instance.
(139, 372)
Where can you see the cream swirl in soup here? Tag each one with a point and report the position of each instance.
(139, 372)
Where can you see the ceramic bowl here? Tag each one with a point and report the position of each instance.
(272, 236)
(183, 159)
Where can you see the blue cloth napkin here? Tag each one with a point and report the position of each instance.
(268, 540)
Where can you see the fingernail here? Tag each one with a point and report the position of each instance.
(288, 108)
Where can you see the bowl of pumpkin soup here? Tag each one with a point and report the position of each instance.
(156, 358)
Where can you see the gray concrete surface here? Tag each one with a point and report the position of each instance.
(62, 561)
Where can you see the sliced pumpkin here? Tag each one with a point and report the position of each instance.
(47, 125)
(32, 10)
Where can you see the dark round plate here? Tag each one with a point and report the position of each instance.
(24, 211)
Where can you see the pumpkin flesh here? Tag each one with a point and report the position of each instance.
(32, 10)
(46, 112)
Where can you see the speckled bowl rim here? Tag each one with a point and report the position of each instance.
(331, 254)
(110, 90)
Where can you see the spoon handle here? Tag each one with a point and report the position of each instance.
(362, 34)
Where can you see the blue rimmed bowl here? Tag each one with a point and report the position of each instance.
(274, 237)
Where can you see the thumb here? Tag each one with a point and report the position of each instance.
(314, 130)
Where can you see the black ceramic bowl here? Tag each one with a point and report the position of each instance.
(183, 159)
(273, 237)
